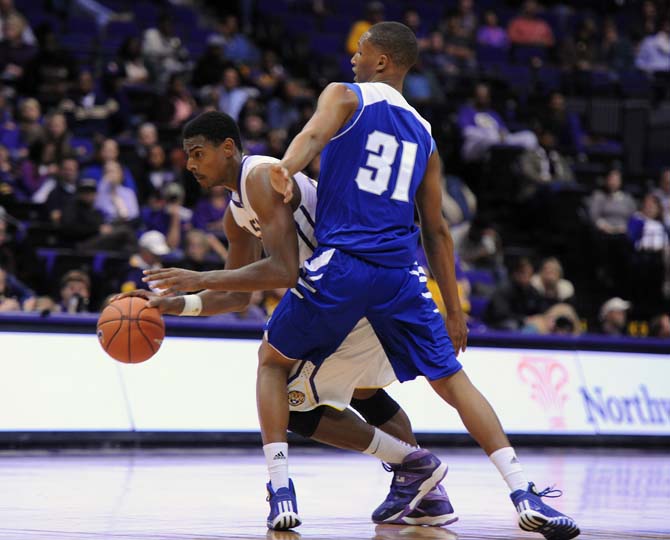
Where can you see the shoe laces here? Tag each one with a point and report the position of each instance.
(548, 492)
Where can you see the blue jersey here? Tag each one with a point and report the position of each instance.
(370, 172)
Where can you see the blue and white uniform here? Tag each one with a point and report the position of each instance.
(360, 361)
(364, 265)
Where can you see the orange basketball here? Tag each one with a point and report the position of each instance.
(129, 331)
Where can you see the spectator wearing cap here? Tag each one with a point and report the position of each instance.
(75, 292)
(152, 246)
(614, 316)
(14, 295)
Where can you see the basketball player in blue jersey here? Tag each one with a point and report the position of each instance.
(379, 161)
(256, 221)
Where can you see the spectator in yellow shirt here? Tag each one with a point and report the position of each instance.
(374, 13)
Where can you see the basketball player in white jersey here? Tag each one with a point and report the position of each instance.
(257, 220)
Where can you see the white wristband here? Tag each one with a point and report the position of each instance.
(192, 305)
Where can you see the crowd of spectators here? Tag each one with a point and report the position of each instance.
(94, 189)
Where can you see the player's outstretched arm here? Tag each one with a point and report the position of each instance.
(337, 103)
(439, 248)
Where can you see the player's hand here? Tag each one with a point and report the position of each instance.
(281, 181)
(458, 331)
(166, 305)
(173, 280)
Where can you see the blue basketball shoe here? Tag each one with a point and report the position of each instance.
(283, 508)
(412, 480)
(434, 509)
(535, 516)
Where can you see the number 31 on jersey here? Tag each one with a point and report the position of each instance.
(374, 177)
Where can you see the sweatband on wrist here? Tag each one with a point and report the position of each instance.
(192, 306)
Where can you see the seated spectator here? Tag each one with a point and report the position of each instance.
(203, 252)
(459, 44)
(84, 226)
(152, 246)
(613, 317)
(156, 173)
(528, 29)
(482, 128)
(163, 51)
(177, 105)
(564, 125)
(663, 194)
(7, 246)
(56, 143)
(615, 52)
(208, 213)
(8, 10)
(39, 166)
(512, 303)
(108, 151)
(654, 51)
(650, 241)
(253, 132)
(543, 165)
(412, 19)
(482, 248)
(660, 326)
(8, 173)
(15, 54)
(491, 34)
(135, 156)
(459, 206)
(236, 46)
(551, 285)
(610, 209)
(467, 18)
(51, 73)
(374, 13)
(208, 68)
(117, 202)
(229, 95)
(64, 190)
(30, 125)
(91, 111)
(645, 21)
(435, 56)
(129, 66)
(75, 292)
(559, 319)
(580, 52)
(14, 295)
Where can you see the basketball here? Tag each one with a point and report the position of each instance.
(129, 331)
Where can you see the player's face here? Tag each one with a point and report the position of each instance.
(364, 62)
(206, 161)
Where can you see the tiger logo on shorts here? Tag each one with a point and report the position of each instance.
(295, 398)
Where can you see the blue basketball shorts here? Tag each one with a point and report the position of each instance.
(336, 290)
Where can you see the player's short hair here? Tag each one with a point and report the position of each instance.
(215, 127)
(397, 41)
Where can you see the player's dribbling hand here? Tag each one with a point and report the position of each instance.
(166, 305)
(173, 280)
(458, 331)
(281, 181)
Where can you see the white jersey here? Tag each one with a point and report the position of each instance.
(245, 216)
(360, 361)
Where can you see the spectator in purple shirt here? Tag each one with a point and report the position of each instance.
(208, 213)
(491, 34)
(482, 128)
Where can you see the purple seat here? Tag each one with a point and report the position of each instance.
(491, 58)
(549, 78)
(327, 44)
(634, 83)
(524, 54)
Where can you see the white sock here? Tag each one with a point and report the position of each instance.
(388, 448)
(276, 457)
(509, 468)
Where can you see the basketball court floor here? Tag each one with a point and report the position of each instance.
(219, 494)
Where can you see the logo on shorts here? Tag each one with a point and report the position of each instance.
(295, 398)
